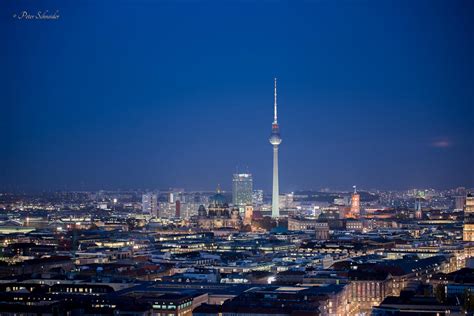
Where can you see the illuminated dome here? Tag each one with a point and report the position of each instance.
(217, 199)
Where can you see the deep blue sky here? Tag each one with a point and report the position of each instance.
(151, 94)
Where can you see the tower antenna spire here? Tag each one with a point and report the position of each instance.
(275, 114)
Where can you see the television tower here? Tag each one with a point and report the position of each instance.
(275, 140)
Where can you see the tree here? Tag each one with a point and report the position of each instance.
(440, 293)
(468, 301)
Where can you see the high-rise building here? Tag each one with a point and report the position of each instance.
(175, 194)
(168, 210)
(275, 140)
(257, 197)
(242, 189)
(178, 209)
(459, 202)
(150, 204)
(286, 200)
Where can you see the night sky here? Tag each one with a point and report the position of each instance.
(154, 94)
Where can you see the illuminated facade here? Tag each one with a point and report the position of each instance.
(150, 204)
(469, 204)
(468, 227)
(468, 231)
(248, 215)
(218, 214)
(301, 224)
(322, 230)
(355, 204)
(369, 289)
(257, 197)
(242, 190)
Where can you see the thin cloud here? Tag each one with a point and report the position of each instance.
(441, 143)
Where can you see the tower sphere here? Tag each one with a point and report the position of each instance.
(275, 139)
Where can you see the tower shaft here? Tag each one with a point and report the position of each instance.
(276, 189)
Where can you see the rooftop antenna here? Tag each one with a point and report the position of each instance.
(355, 189)
(275, 115)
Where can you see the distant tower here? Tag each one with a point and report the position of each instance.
(418, 210)
(178, 209)
(355, 203)
(275, 140)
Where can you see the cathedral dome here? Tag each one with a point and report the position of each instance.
(217, 199)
